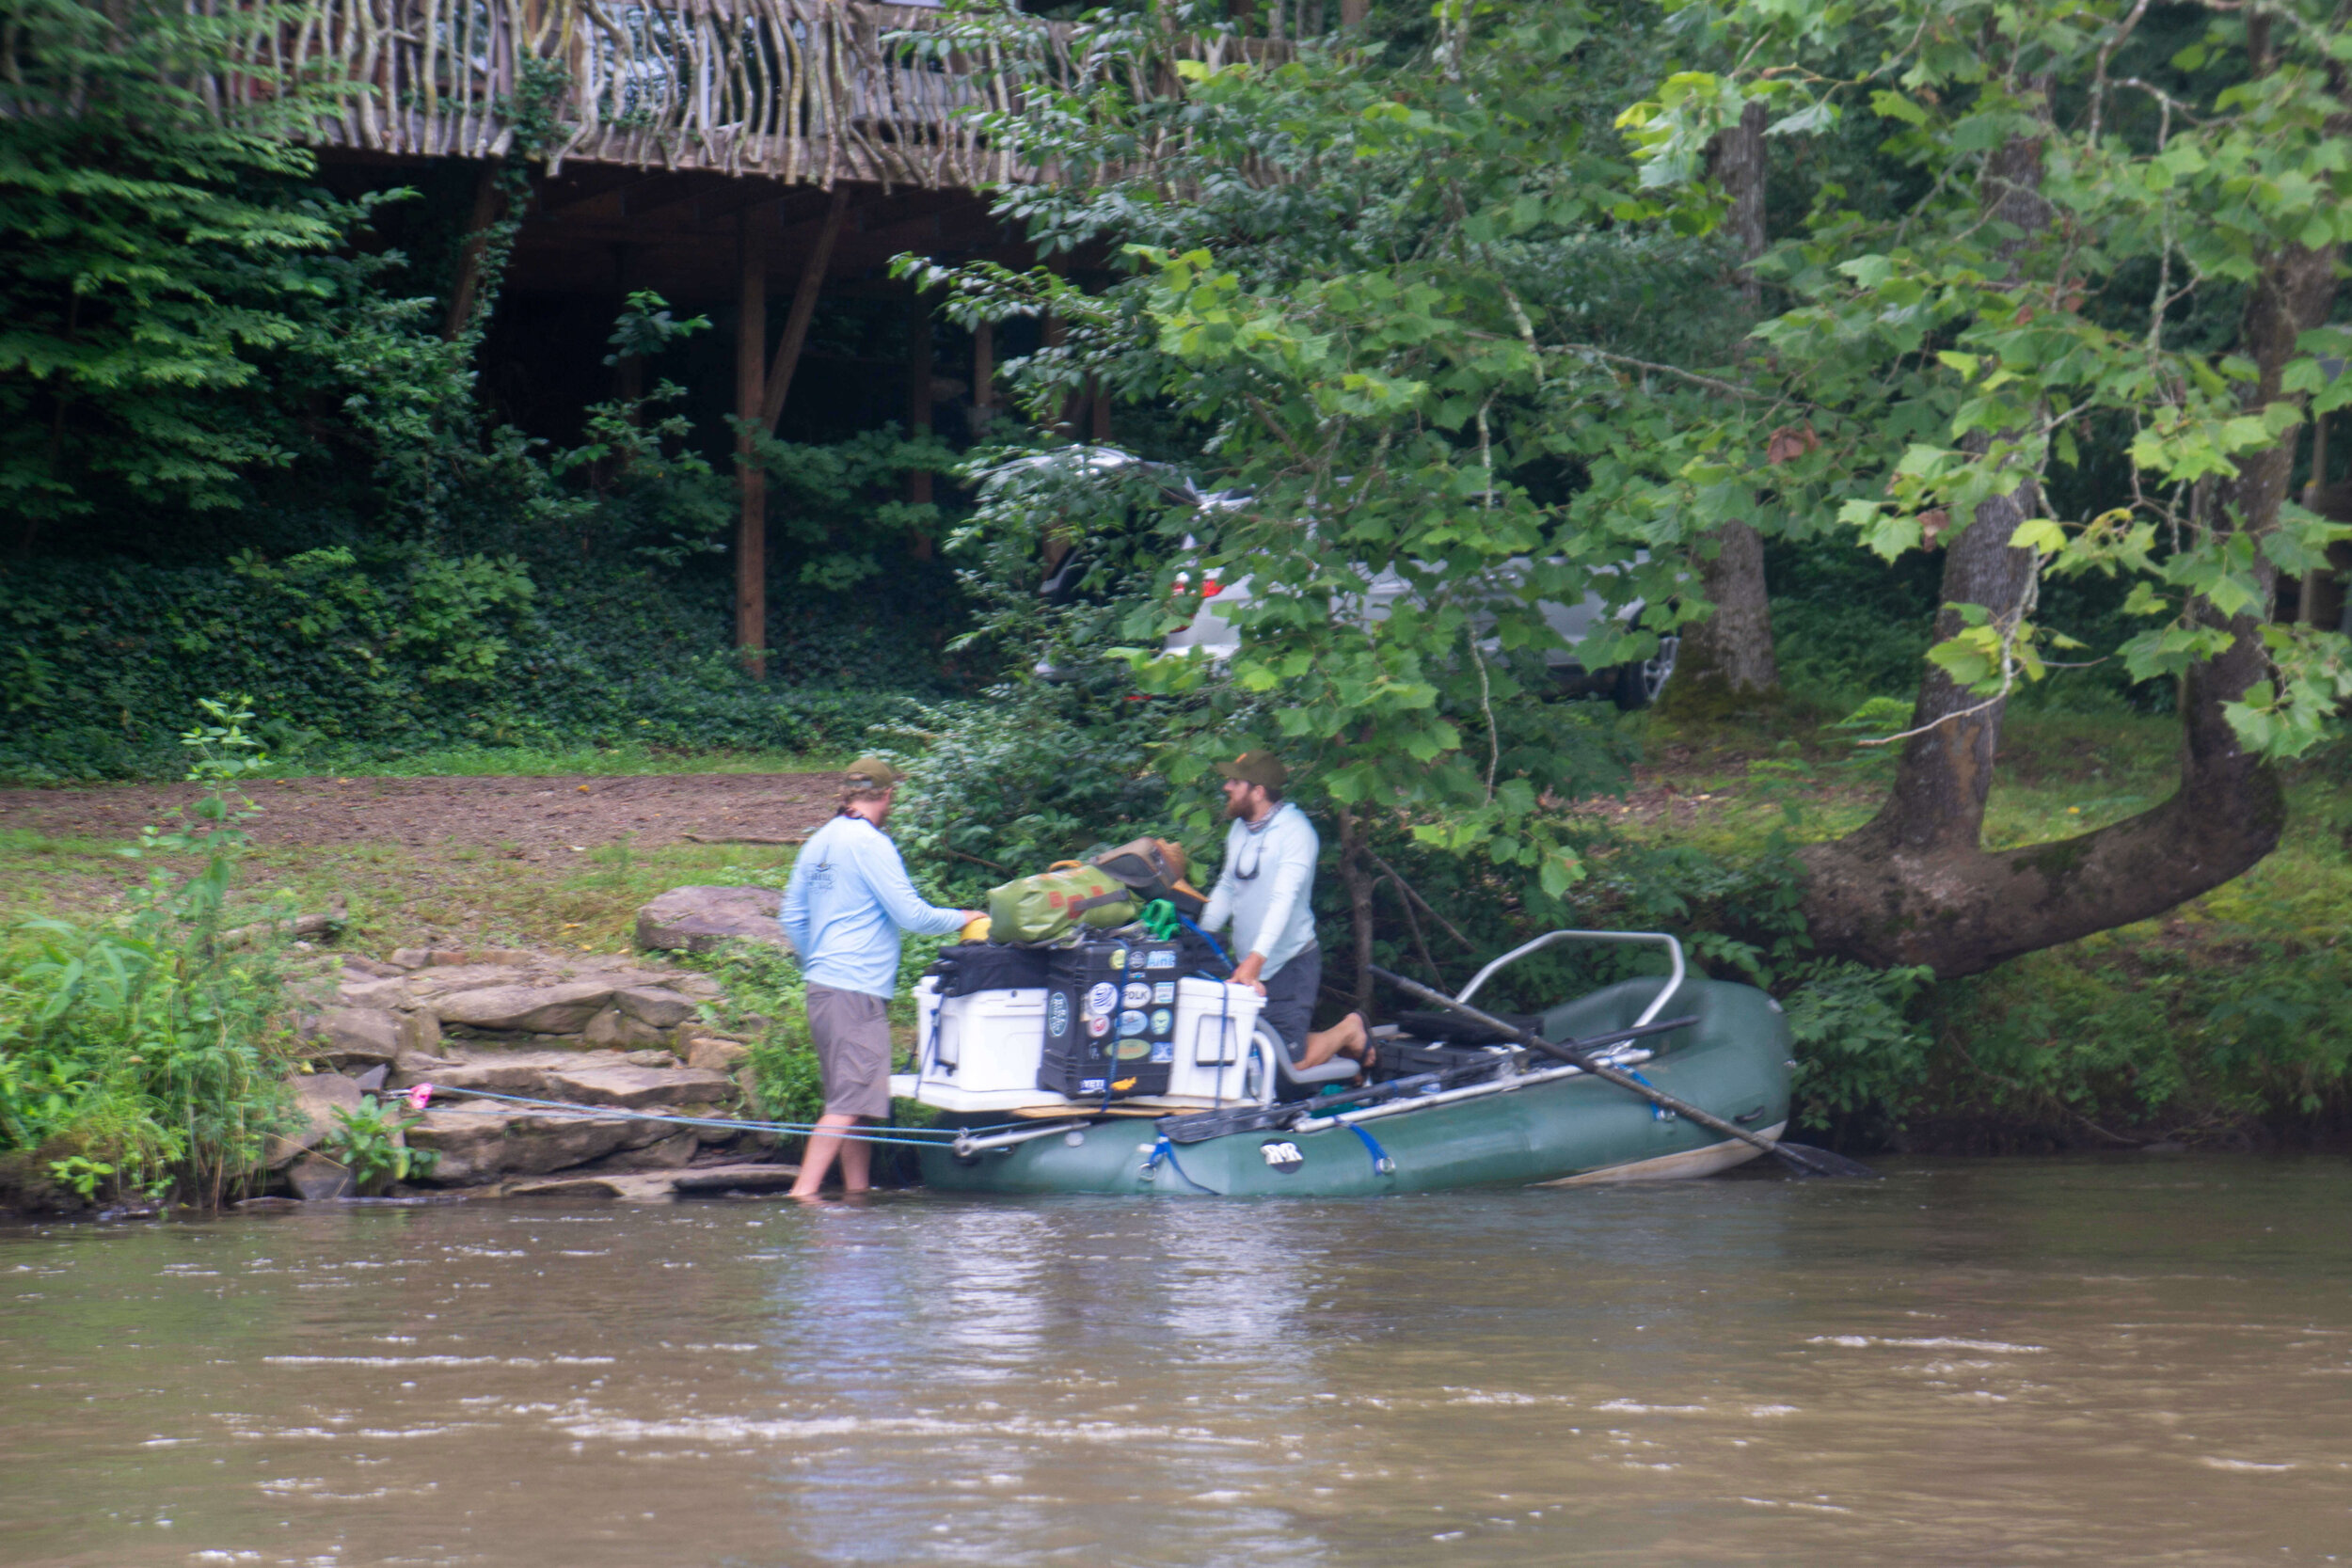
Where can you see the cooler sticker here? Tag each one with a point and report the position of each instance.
(1280, 1154)
(1164, 992)
(1103, 997)
(1138, 994)
(1132, 1022)
(1058, 1013)
(1098, 1027)
(1161, 1021)
(1166, 959)
(1134, 1050)
(1090, 1086)
(1164, 1052)
(1119, 958)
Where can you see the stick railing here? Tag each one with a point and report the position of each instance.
(808, 92)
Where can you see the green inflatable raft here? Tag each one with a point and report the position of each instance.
(1486, 1114)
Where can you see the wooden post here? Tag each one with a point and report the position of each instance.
(803, 310)
(467, 283)
(751, 528)
(919, 408)
(1099, 409)
(2314, 488)
(983, 378)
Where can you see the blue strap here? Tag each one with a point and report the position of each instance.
(1657, 1112)
(1381, 1164)
(1164, 1149)
(1214, 946)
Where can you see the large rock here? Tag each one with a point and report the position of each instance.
(638, 1089)
(317, 1179)
(428, 983)
(663, 1186)
(557, 1009)
(696, 919)
(317, 1098)
(654, 1006)
(360, 1037)
(478, 1140)
(356, 991)
(717, 1056)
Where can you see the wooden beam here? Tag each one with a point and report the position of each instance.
(751, 528)
(779, 382)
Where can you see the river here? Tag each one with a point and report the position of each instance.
(2140, 1360)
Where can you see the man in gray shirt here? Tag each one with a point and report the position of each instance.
(1263, 889)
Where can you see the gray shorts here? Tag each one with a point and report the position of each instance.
(851, 1031)
(1290, 998)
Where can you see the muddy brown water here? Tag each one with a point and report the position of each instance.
(2144, 1361)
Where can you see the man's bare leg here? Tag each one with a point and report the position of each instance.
(1347, 1038)
(822, 1147)
(857, 1156)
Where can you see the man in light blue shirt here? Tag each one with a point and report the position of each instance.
(1265, 890)
(848, 901)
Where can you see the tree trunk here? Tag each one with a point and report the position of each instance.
(1731, 651)
(467, 286)
(919, 484)
(1356, 873)
(1915, 887)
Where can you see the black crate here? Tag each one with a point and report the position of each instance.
(977, 966)
(1108, 1032)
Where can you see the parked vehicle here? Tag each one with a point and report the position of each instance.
(1213, 635)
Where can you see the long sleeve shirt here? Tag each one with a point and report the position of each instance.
(848, 899)
(1262, 887)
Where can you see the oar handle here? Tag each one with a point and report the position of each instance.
(1585, 1059)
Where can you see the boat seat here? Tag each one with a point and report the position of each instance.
(1294, 1081)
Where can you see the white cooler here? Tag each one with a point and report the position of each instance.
(980, 1052)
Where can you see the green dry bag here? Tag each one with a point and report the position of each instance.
(1042, 907)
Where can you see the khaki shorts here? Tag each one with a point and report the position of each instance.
(853, 1035)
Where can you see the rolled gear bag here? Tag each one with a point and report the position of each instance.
(1153, 869)
(1047, 906)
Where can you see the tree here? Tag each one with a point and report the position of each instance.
(156, 249)
(2084, 185)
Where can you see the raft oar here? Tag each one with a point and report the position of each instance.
(1801, 1158)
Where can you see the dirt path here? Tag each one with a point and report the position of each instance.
(524, 813)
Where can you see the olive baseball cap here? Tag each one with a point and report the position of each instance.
(1257, 768)
(873, 771)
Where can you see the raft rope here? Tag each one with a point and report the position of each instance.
(1166, 1151)
(912, 1137)
(1657, 1112)
(1381, 1164)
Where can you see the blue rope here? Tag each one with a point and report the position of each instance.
(1657, 1112)
(1381, 1164)
(920, 1137)
(1164, 1149)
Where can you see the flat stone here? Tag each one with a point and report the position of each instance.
(372, 969)
(717, 1056)
(558, 1010)
(357, 1035)
(614, 1030)
(410, 957)
(735, 1178)
(696, 919)
(655, 1006)
(627, 1187)
(501, 1072)
(650, 1058)
(426, 984)
(372, 1081)
(316, 1178)
(702, 988)
(420, 1031)
(360, 992)
(317, 1098)
(419, 1067)
(637, 1087)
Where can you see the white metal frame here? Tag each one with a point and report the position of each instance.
(1649, 1014)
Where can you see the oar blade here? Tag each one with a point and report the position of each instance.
(1805, 1160)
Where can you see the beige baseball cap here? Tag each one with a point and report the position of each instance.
(873, 771)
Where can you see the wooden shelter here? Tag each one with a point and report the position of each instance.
(706, 147)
